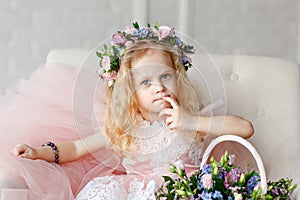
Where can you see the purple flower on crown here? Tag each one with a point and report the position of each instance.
(118, 38)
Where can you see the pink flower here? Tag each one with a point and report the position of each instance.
(128, 44)
(207, 181)
(105, 62)
(118, 38)
(109, 76)
(130, 30)
(164, 31)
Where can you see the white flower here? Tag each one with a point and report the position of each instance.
(232, 158)
(105, 62)
(179, 163)
(238, 196)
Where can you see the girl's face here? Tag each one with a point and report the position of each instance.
(153, 78)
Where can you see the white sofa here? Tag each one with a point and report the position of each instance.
(264, 90)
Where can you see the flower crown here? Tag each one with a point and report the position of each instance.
(110, 57)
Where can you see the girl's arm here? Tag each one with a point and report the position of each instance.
(176, 118)
(223, 125)
(68, 151)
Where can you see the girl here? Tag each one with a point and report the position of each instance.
(151, 118)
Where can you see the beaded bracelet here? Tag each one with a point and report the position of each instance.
(55, 150)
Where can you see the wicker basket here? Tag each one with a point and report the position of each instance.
(248, 146)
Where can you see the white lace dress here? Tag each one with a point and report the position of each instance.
(153, 149)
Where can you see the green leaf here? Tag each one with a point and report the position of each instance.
(219, 185)
(268, 197)
(156, 26)
(167, 178)
(136, 25)
(181, 192)
(254, 194)
(99, 55)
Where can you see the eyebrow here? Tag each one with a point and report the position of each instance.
(135, 72)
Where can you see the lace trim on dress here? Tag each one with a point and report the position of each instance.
(108, 188)
(103, 188)
(136, 191)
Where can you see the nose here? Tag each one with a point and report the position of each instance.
(158, 87)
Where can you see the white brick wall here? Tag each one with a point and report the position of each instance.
(267, 28)
(29, 29)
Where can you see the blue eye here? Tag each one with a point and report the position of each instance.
(165, 76)
(145, 82)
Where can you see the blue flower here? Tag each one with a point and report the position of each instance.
(178, 41)
(206, 169)
(185, 60)
(211, 195)
(135, 32)
(143, 33)
(252, 182)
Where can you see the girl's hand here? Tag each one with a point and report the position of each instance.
(177, 118)
(24, 151)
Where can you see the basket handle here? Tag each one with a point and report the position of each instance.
(245, 143)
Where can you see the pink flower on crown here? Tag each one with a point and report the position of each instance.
(128, 44)
(105, 62)
(109, 76)
(118, 38)
(164, 31)
(130, 30)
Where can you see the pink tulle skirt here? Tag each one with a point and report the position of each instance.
(57, 103)
(54, 104)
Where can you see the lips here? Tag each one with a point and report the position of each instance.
(161, 98)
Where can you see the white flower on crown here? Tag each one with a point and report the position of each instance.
(105, 62)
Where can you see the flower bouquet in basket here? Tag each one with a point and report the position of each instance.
(223, 180)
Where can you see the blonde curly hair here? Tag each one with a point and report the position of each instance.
(122, 113)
